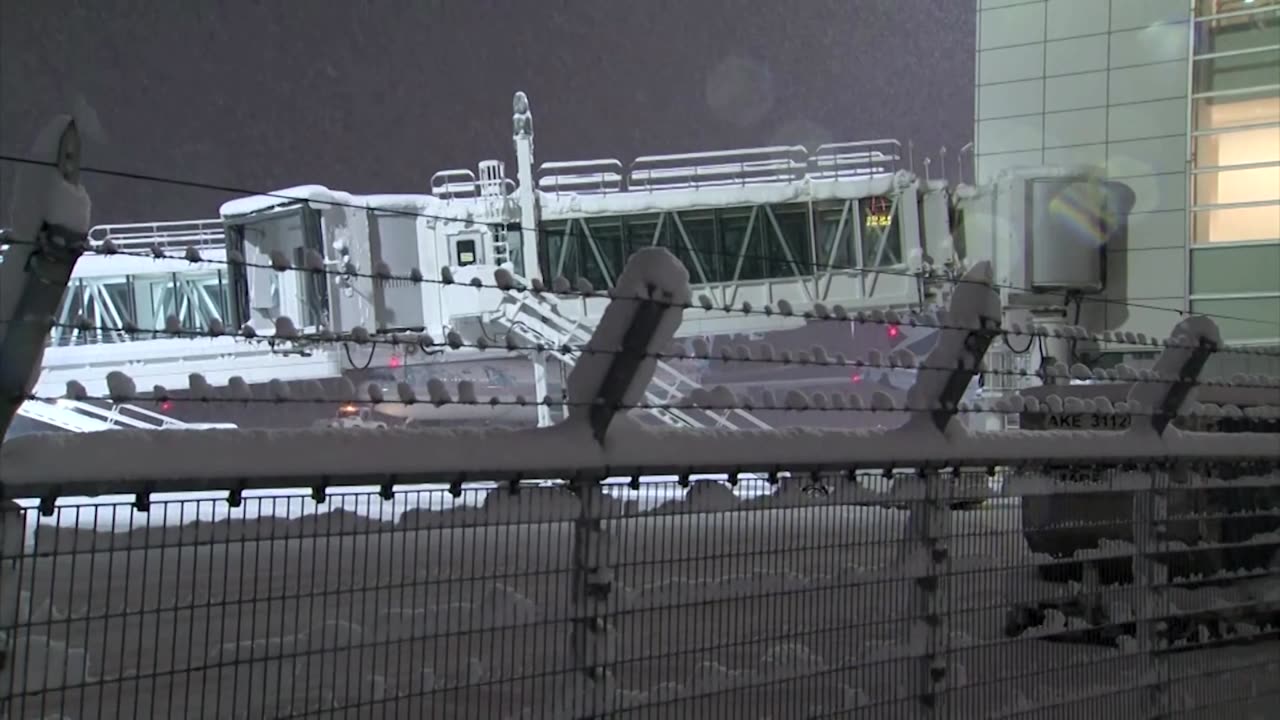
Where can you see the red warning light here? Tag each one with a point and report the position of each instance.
(166, 406)
(894, 331)
(856, 377)
(395, 361)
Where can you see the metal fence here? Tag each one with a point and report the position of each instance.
(918, 572)
(758, 601)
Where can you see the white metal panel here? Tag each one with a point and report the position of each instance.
(171, 362)
(120, 265)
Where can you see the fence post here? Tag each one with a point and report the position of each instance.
(50, 226)
(967, 330)
(593, 580)
(13, 524)
(1155, 402)
(611, 374)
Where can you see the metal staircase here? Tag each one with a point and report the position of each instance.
(61, 417)
(534, 319)
(81, 417)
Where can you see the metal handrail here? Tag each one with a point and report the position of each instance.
(457, 183)
(180, 234)
(724, 168)
(782, 163)
(584, 176)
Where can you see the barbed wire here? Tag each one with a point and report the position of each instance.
(804, 403)
(506, 282)
(537, 232)
(815, 357)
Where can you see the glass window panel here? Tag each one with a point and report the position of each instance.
(640, 231)
(312, 293)
(72, 305)
(742, 253)
(1243, 110)
(1217, 7)
(266, 293)
(835, 244)
(120, 294)
(611, 242)
(588, 265)
(1238, 186)
(557, 256)
(701, 229)
(1219, 18)
(1237, 224)
(550, 239)
(880, 222)
(671, 239)
(1240, 71)
(1237, 130)
(791, 254)
(215, 293)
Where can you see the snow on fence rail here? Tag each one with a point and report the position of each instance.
(833, 590)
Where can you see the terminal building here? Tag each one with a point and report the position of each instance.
(1179, 100)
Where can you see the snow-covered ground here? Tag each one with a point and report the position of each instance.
(434, 607)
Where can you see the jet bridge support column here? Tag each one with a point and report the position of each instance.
(526, 190)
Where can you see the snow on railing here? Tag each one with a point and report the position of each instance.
(726, 168)
(581, 176)
(462, 184)
(837, 161)
(178, 235)
(719, 168)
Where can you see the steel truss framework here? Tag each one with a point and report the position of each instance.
(724, 246)
(145, 302)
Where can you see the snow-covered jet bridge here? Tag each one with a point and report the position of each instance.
(787, 228)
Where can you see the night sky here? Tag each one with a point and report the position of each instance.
(376, 95)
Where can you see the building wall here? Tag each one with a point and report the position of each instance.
(1107, 83)
(1102, 83)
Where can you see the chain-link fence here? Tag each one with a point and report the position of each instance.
(1144, 592)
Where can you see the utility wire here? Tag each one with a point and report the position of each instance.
(743, 353)
(821, 312)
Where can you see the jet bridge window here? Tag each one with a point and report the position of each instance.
(466, 249)
(263, 293)
(881, 234)
(715, 245)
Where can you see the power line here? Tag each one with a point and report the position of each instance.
(816, 357)
(814, 403)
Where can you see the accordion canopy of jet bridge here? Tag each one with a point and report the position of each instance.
(596, 441)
